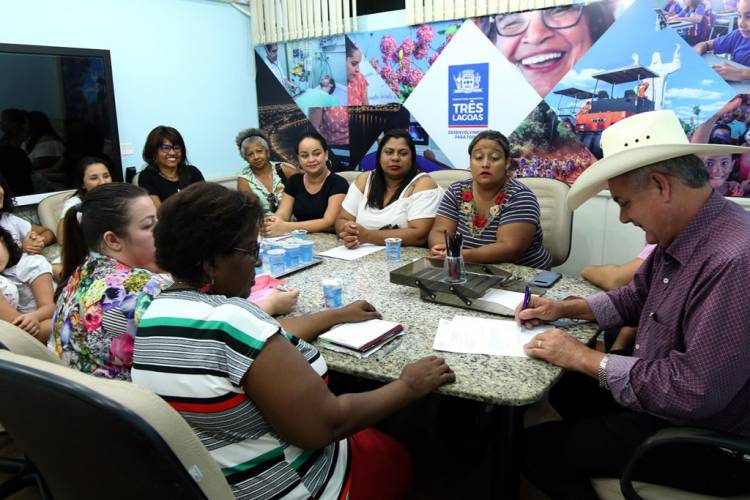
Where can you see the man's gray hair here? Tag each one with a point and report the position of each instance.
(688, 169)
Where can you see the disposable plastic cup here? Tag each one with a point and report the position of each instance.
(292, 255)
(333, 293)
(393, 249)
(276, 260)
(300, 234)
(306, 252)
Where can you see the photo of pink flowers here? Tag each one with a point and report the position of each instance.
(395, 60)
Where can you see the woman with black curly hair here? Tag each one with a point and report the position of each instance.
(253, 388)
(263, 177)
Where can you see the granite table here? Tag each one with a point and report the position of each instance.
(508, 383)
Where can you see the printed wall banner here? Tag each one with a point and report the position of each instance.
(458, 78)
(468, 90)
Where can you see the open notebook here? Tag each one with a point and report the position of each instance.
(363, 338)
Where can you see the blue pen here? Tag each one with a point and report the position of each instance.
(526, 300)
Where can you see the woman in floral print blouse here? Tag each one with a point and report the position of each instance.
(109, 270)
(497, 216)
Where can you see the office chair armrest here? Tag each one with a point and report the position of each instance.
(679, 435)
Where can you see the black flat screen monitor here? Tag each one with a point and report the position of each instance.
(57, 105)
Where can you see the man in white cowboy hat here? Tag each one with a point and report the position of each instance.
(690, 302)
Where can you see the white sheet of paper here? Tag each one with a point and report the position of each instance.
(503, 297)
(496, 337)
(351, 254)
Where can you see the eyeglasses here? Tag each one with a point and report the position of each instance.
(557, 18)
(253, 252)
(273, 203)
(164, 148)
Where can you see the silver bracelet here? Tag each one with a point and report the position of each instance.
(603, 372)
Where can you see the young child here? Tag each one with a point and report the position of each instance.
(27, 288)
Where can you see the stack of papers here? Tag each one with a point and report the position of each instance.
(351, 254)
(361, 339)
(497, 337)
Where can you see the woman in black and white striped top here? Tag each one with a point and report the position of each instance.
(253, 389)
(497, 216)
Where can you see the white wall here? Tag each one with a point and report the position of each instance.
(184, 63)
(600, 238)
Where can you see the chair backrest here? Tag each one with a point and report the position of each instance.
(228, 181)
(609, 489)
(445, 178)
(556, 217)
(349, 175)
(134, 444)
(20, 342)
(49, 209)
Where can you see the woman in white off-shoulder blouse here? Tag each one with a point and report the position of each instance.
(393, 201)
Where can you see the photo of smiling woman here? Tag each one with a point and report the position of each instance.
(545, 44)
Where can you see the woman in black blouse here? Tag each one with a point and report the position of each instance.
(313, 197)
(167, 168)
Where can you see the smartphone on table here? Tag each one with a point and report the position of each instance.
(545, 279)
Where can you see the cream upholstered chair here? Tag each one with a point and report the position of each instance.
(21, 475)
(626, 488)
(349, 175)
(49, 209)
(20, 342)
(445, 178)
(145, 437)
(556, 217)
(228, 181)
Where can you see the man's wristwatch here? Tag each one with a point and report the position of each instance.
(603, 372)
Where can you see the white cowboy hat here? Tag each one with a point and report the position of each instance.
(635, 142)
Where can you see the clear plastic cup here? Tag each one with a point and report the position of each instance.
(333, 293)
(276, 260)
(292, 254)
(306, 251)
(393, 249)
(300, 234)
